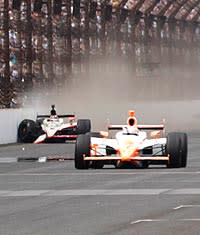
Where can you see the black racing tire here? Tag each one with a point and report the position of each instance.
(184, 149)
(173, 148)
(83, 126)
(27, 131)
(82, 147)
(94, 134)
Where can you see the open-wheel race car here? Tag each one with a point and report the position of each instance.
(52, 128)
(133, 146)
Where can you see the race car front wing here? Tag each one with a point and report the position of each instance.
(135, 158)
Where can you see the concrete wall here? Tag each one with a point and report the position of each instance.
(9, 121)
(179, 115)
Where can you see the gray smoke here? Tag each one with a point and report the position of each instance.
(106, 89)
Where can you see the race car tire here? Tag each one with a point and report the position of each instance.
(83, 126)
(173, 148)
(94, 134)
(27, 131)
(184, 149)
(82, 147)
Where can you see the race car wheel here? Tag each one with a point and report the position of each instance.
(82, 147)
(184, 149)
(173, 148)
(27, 131)
(83, 126)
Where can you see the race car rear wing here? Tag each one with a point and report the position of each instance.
(140, 127)
(151, 127)
(59, 116)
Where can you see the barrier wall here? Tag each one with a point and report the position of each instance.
(9, 121)
(179, 115)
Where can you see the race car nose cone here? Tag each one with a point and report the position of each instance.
(128, 152)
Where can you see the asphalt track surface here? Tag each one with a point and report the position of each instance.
(53, 198)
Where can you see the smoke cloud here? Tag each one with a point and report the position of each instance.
(107, 88)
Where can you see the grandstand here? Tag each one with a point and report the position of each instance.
(45, 42)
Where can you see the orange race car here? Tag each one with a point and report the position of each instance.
(134, 145)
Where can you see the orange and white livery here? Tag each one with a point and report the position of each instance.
(134, 144)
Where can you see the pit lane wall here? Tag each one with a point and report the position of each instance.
(10, 119)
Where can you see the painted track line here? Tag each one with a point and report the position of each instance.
(95, 192)
(8, 160)
(185, 206)
(164, 220)
(148, 220)
(81, 192)
(101, 172)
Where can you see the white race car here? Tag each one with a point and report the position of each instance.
(52, 128)
(133, 146)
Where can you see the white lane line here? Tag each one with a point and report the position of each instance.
(112, 192)
(103, 192)
(24, 193)
(83, 192)
(185, 191)
(148, 220)
(178, 207)
(92, 173)
(165, 220)
(172, 181)
(4, 192)
(194, 219)
(8, 160)
(185, 206)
